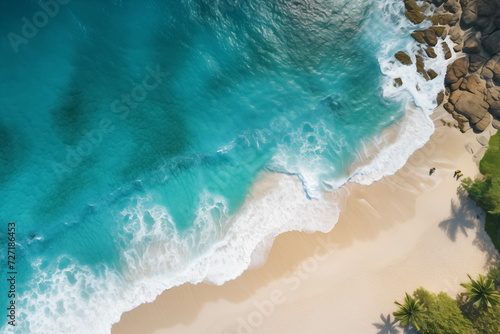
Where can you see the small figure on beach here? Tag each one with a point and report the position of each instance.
(432, 170)
(459, 175)
(458, 171)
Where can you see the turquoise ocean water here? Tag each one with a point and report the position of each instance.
(131, 131)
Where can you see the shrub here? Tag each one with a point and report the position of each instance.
(443, 315)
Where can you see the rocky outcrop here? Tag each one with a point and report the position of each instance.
(414, 12)
(491, 43)
(403, 58)
(429, 51)
(472, 81)
(476, 62)
(471, 45)
(473, 107)
(495, 109)
(446, 50)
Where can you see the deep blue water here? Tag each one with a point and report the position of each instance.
(127, 124)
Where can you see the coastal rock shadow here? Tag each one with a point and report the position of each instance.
(463, 217)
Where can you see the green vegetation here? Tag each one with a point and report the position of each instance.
(410, 313)
(443, 316)
(486, 322)
(490, 164)
(481, 292)
(486, 192)
(476, 310)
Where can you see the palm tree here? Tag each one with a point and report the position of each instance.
(481, 292)
(410, 312)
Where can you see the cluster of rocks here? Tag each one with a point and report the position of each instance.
(472, 81)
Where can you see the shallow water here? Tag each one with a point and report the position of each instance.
(131, 132)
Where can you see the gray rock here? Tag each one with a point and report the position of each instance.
(446, 50)
(430, 52)
(452, 7)
(418, 35)
(456, 70)
(469, 14)
(440, 97)
(473, 83)
(491, 43)
(486, 8)
(483, 123)
(471, 45)
(495, 109)
(430, 37)
(483, 140)
(473, 107)
(469, 148)
(476, 62)
(403, 58)
(456, 35)
(496, 124)
(463, 122)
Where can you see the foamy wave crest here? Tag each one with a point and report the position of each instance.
(419, 95)
(67, 297)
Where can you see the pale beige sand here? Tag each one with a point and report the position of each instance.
(405, 231)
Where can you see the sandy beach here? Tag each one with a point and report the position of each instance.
(408, 230)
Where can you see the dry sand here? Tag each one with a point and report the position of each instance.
(405, 231)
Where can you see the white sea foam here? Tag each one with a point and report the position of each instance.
(158, 257)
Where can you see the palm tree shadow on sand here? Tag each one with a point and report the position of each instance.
(462, 217)
(391, 326)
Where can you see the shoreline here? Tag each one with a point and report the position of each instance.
(389, 247)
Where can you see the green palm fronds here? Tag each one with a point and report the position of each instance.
(410, 312)
(481, 292)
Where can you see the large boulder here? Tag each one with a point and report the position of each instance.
(496, 124)
(496, 73)
(471, 45)
(476, 62)
(492, 95)
(456, 35)
(452, 7)
(473, 84)
(430, 52)
(469, 14)
(446, 50)
(495, 109)
(473, 107)
(418, 35)
(456, 70)
(440, 97)
(445, 19)
(483, 123)
(432, 74)
(403, 58)
(486, 8)
(440, 31)
(491, 70)
(430, 37)
(491, 43)
(414, 12)
(421, 67)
